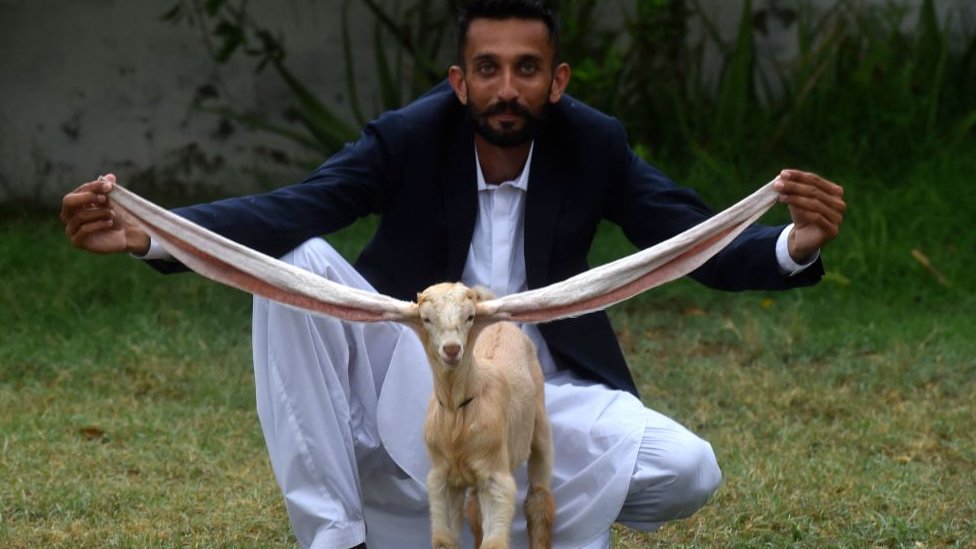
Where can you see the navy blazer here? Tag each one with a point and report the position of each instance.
(415, 167)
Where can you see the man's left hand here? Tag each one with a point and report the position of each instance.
(817, 207)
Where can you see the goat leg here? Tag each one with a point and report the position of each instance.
(446, 504)
(540, 506)
(496, 497)
(540, 509)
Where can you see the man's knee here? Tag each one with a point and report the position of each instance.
(671, 482)
(696, 476)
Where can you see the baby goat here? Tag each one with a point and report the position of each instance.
(486, 417)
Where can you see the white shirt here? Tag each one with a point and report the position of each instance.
(496, 258)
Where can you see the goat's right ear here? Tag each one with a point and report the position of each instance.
(482, 293)
(410, 317)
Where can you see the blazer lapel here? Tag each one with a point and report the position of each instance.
(460, 192)
(544, 203)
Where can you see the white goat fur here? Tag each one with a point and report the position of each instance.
(486, 417)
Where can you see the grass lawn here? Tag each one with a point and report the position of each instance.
(842, 415)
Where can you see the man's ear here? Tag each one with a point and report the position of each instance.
(455, 75)
(560, 79)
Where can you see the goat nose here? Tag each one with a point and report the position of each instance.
(452, 350)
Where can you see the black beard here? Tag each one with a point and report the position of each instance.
(508, 138)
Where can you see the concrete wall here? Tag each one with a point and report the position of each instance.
(93, 86)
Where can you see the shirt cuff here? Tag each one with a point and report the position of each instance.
(787, 265)
(156, 251)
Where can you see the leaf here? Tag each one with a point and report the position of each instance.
(92, 433)
(836, 278)
(964, 127)
(325, 120)
(231, 36)
(262, 123)
(389, 93)
(174, 14)
(926, 264)
(211, 7)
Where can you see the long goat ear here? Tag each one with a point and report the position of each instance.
(614, 282)
(230, 263)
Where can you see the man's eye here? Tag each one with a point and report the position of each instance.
(486, 68)
(528, 68)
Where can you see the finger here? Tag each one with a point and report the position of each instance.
(102, 185)
(77, 200)
(806, 194)
(796, 181)
(88, 194)
(828, 223)
(83, 217)
(803, 189)
(80, 238)
(808, 209)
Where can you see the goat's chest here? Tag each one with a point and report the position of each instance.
(467, 444)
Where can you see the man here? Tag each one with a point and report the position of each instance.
(495, 178)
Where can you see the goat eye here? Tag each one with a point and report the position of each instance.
(425, 320)
(470, 318)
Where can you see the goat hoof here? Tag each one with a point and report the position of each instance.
(444, 540)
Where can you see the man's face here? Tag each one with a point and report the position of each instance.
(508, 78)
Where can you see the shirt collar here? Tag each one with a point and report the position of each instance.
(521, 182)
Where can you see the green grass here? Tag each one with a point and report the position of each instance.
(841, 414)
(826, 437)
(126, 405)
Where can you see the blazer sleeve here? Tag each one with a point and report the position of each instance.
(650, 208)
(351, 184)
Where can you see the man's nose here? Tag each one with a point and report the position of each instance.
(509, 87)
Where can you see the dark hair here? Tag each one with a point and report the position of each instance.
(505, 9)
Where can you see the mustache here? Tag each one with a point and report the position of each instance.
(507, 107)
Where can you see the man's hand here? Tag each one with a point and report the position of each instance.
(92, 224)
(817, 208)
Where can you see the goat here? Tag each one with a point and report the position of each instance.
(472, 442)
(486, 417)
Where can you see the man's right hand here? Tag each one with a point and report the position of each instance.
(92, 223)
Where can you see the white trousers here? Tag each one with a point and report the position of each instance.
(341, 406)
